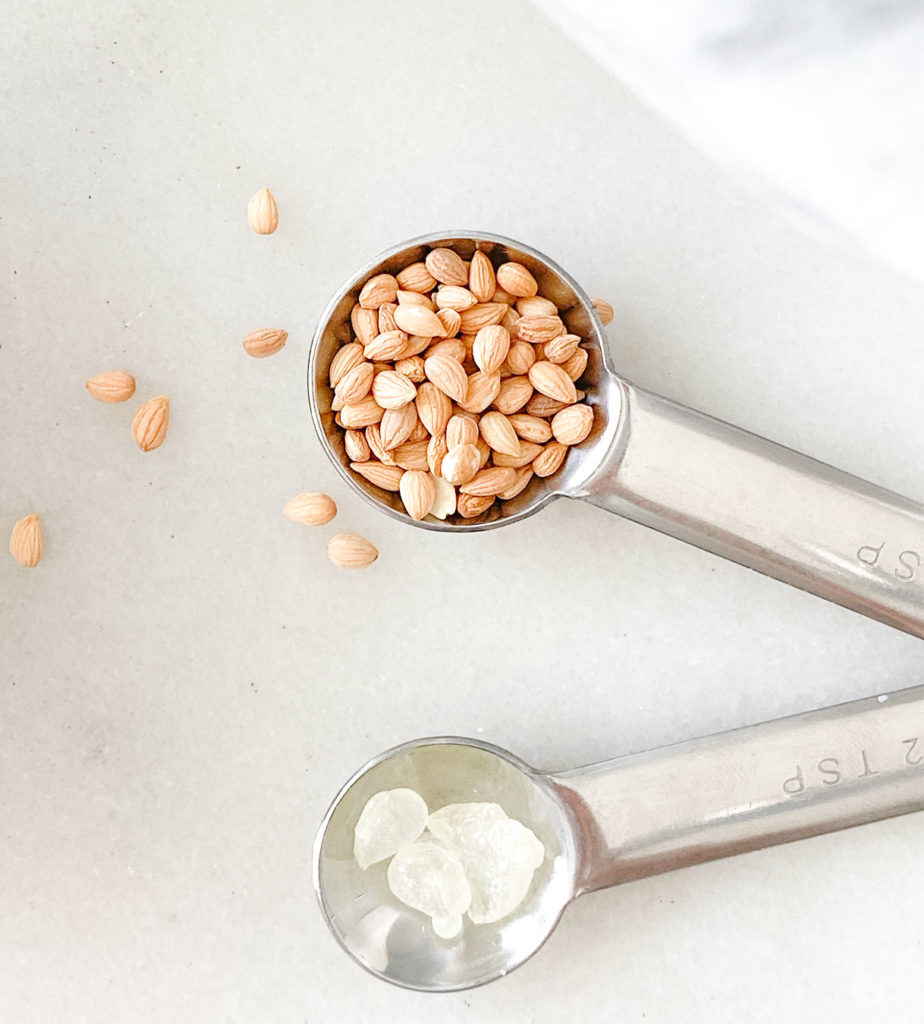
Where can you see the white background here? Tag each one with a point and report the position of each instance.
(185, 680)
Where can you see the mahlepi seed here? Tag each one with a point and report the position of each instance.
(390, 820)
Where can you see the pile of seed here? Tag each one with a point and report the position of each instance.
(459, 385)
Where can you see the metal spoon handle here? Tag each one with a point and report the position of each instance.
(767, 507)
(744, 790)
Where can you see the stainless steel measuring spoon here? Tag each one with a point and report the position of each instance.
(674, 469)
(635, 816)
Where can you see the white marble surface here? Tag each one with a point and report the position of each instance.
(185, 680)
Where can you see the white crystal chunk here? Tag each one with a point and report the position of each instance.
(497, 853)
(390, 820)
(447, 927)
(427, 877)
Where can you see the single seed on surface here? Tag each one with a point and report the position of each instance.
(311, 509)
(112, 386)
(604, 310)
(348, 551)
(262, 213)
(149, 427)
(26, 541)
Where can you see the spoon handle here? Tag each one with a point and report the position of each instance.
(772, 783)
(768, 507)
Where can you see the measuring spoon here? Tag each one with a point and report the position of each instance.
(632, 817)
(672, 468)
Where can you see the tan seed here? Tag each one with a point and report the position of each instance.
(437, 448)
(392, 390)
(378, 290)
(451, 347)
(415, 299)
(433, 407)
(348, 551)
(520, 357)
(513, 394)
(482, 315)
(356, 446)
(412, 368)
(499, 434)
(461, 429)
(355, 384)
(418, 492)
(561, 349)
(262, 212)
(492, 343)
(26, 541)
(523, 477)
(483, 389)
(528, 452)
(420, 432)
(386, 317)
(576, 365)
(412, 455)
(537, 329)
(535, 305)
(418, 320)
(543, 406)
(344, 360)
(516, 279)
(389, 345)
(266, 342)
(373, 435)
(367, 410)
(551, 380)
(452, 296)
(397, 426)
(604, 310)
(551, 458)
(446, 266)
(386, 477)
(531, 428)
(572, 425)
(460, 464)
(509, 320)
(311, 509)
(451, 321)
(416, 278)
(489, 481)
(471, 505)
(501, 296)
(481, 277)
(112, 386)
(447, 374)
(149, 427)
(484, 452)
(365, 324)
(415, 344)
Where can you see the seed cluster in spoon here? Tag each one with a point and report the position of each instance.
(459, 384)
(464, 859)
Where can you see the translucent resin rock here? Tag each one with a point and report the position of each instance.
(427, 877)
(390, 820)
(497, 853)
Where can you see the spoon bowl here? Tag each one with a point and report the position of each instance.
(397, 943)
(579, 316)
